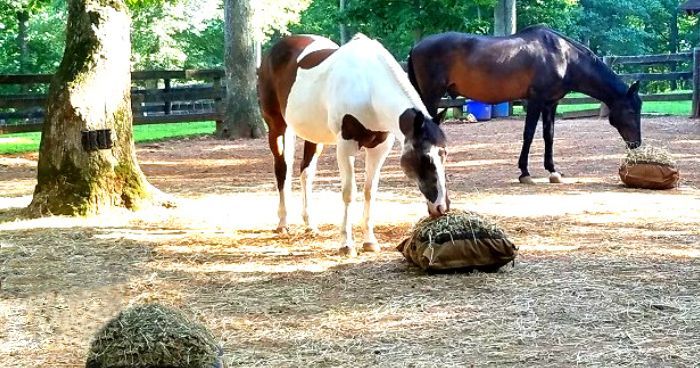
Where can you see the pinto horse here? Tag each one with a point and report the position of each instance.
(536, 64)
(355, 96)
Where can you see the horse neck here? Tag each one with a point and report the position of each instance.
(597, 80)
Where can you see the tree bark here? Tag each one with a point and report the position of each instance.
(90, 91)
(22, 19)
(673, 42)
(341, 26)
(242, 117)
(504, 18)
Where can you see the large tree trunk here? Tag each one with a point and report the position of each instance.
(505, 18)
(90, 91)
(242, 117)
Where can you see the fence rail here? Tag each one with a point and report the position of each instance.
(200, 97)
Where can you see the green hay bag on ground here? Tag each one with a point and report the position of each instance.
(153, 336)
(461, 241)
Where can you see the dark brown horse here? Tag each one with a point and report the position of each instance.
(536, 64)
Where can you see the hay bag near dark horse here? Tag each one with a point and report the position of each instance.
(153, 336)
(459, 240)
(649, 168)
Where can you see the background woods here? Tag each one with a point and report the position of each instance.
(190, 33)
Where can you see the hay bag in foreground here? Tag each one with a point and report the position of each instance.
(150, 336)
(458, 240)
(649, 168)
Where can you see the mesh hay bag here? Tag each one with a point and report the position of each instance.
(150, 336)
(649, 168)
(458, 240)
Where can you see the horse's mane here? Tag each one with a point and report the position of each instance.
(398, 74)
(596, 61)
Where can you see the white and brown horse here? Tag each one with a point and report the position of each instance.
(355, 96)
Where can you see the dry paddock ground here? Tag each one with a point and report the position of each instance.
(607, 276)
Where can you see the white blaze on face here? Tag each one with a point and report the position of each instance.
(441, 199)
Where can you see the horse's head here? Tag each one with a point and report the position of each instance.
(625, 116)
(423, 158)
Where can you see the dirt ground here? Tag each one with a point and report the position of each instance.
(607, 276)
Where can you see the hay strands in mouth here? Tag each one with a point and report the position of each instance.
(647, 154)
(153, 335)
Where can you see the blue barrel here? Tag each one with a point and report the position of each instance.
(480, 110)
(500, 110)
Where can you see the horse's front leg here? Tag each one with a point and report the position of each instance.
(346, 152)
(548, 113)
(533, 114)
(308, 172)
(374, 161)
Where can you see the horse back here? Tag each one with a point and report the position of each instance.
(490, 69)
(279, 68)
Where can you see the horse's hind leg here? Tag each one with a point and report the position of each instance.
(533, 114)
(346, 151)
(308, 172)
(548, 113)
(374, 161)
(281, 142)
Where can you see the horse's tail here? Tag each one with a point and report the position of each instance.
(412, 74)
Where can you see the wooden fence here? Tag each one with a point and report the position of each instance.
(197, 95)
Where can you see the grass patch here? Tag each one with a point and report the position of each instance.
(681, 108)
(28, 142)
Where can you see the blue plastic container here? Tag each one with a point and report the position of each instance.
(500, 110)
(480, 110)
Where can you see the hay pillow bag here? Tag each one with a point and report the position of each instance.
(458, 241)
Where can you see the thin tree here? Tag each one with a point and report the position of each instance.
(242, 117)
(342, 28)
(90, 92)
(505, 18)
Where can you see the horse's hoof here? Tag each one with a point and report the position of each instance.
(282, 230)
(347, 251)
(311, 230)
(526, 180)
(371, 247)
(555, 177)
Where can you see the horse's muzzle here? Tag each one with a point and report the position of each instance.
(633, 145)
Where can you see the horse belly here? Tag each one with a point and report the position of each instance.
(307, 115)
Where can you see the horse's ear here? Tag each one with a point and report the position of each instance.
(634, 89)
(441, 116)
(418, 122)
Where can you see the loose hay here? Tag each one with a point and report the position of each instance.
(459, 240)
(646, 154)
(150, 336)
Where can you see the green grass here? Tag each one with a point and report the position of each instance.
(28, 142)
(650, 107)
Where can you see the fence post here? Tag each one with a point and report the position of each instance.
(696, 83)
(604, 110)
(168, 107)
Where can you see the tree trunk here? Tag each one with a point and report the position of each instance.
(90, 91)
(22, 19)
(504, 18)
(341, 26)
(242, 117)
(673, 42)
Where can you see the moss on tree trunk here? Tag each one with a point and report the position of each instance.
(90, 91)
(242, 117)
